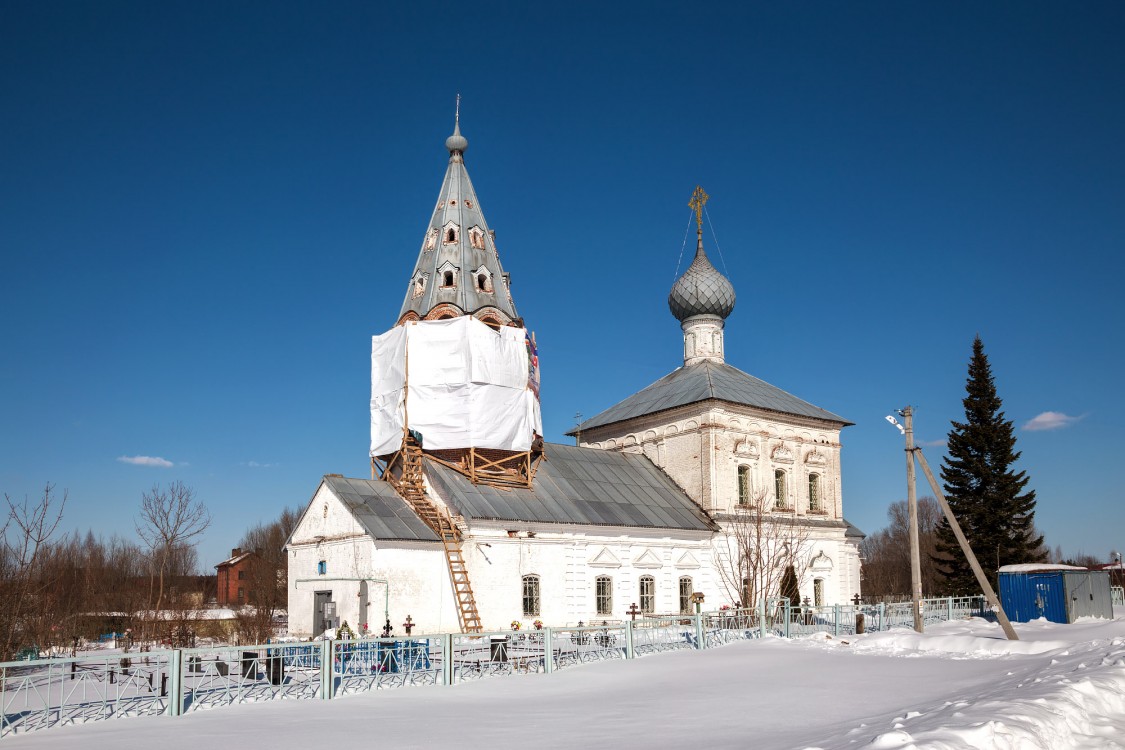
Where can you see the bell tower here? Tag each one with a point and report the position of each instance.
(458, 270)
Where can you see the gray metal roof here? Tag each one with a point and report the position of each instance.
(578, 486)
(380, 510)
(703, 381)
(853, 531)
(457, 206)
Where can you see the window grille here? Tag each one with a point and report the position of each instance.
(685, 595)
(321, 568)
(779, 489)
(814, 492)
(818, 592)
(648, 594)
(603, 592)
(743, 485)
(531, 596)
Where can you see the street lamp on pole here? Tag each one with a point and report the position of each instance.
(907, 415)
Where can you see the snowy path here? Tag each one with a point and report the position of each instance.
(959, 686)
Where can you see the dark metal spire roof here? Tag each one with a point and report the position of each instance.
(702, 290)
(704, 381)
(458, 241)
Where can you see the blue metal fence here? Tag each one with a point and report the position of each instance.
(54, 692)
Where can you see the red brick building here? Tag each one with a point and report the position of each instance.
(235, 578)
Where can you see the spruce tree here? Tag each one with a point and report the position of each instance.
(986, 495)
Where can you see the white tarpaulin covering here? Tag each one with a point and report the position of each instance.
(460, 383)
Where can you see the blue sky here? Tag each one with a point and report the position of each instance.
(206, 210)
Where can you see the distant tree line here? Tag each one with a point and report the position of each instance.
(58, 588)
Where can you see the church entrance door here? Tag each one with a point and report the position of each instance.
(324, 612)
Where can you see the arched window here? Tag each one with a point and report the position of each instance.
(447, 278)
(648, 594)
(818, 592)
(603, 595)
(476, 238)
(743, 485)
(451, 235)
(814, 493)
(686, 591)
(531, 596)
(779, 489)
(419, 285)
(482, 282)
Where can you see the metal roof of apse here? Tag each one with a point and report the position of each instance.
(380, 510)
(578, 486)
(703, 381)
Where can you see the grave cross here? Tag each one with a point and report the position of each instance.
(633, 612)
(409, 624)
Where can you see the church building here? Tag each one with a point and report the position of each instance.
(708, 480)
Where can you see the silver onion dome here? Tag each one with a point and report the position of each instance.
(702, 290)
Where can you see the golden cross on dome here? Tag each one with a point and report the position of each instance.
(698, 199)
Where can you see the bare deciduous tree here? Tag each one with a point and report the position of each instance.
(169, 522)
(25, 537)
(268, 576)
(756, 546)
(886, 553)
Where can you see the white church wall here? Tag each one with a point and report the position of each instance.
(568, 564)
(703, 448)
(329, 551)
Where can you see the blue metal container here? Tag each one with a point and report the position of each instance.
(1059, 595)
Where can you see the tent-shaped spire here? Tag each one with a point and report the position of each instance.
(458, 270)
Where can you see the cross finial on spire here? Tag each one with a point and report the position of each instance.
(457, 111)
(698, 199)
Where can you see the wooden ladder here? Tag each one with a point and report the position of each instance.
(410, 485)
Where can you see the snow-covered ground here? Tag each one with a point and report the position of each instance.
(960, 685)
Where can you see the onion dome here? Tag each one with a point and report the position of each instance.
(702, 290)
(456, 142)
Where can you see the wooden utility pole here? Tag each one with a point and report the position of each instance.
(989, 594)
(912, 507)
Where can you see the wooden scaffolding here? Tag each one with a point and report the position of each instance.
(404, 471)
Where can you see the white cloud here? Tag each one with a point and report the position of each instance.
(933, 443)
(163, 463)
(257, 465)
(1050, 420)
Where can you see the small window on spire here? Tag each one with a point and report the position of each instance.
(482, 282)
(447, 279)
(419, 285)
(451, 236)
(476, 238)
